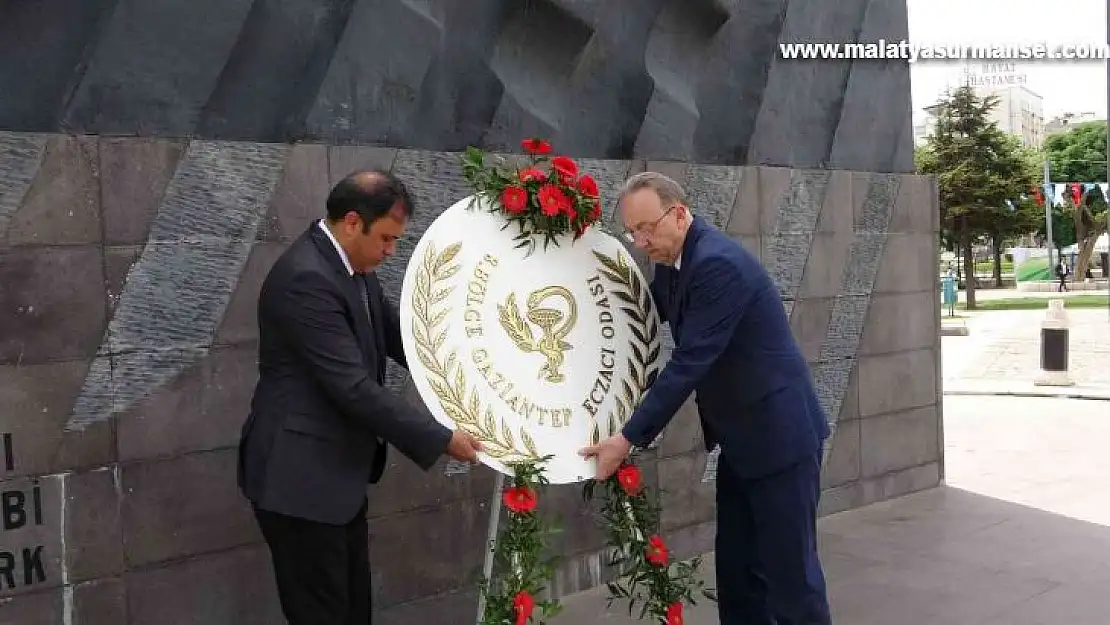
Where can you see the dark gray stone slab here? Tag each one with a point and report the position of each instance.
(240, 321)
(452, 608)
(20, 155)
(449, 554)
(44, 608)
(347, 159)
(686, 498)
(182, 507)
(809, 321)
(683, 434)
(62, 207)
(32, 554)
(231, 587)
(301, 195)
(175, 295)
(52, 304)
(133, 180)
(35, 401)
(93, 532)
(100, 602)
(405, 488)
(155, 66)
(201, 409)
(842, 465)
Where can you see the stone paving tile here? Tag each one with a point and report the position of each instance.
(1005, 345)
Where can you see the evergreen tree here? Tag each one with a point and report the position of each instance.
(982, 175)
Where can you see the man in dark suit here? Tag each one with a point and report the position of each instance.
(755, 396)
(321, 419)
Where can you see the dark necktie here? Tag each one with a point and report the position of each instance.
(673, 292)
(360, 284)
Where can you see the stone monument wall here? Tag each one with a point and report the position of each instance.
(157, 156)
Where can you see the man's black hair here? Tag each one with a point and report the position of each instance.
(371, 193)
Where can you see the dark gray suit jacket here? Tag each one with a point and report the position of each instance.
(319, 416)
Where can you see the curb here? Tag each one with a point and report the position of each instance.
(1086, 395)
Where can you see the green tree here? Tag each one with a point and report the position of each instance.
(1079, 155)
(981, 173)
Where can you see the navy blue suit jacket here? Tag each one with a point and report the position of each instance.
(735, 350)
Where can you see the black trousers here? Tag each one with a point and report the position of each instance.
(768, 569)
(322, 571)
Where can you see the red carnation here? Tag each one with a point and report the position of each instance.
(657, 551)
(587, 186)
(595, 212)
(674, 614)
(631, 479)
(565, 167)
(536, 146)
(514, 199)
(520, 499)
(524, 605)
(530, 174)
(552, 200)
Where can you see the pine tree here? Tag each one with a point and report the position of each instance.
(981, 174)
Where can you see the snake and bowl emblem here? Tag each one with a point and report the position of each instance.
(554, 325)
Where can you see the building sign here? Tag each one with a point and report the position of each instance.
(994, 74)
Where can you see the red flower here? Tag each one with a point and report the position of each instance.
(595, 212)
(514, 199)
(657, 551)
(553, 200)
(524, 604)
(520, 499)
(565, 167)
(631, 479)
(536, 146)
(530, 174)
(674, 614)
(587, 186)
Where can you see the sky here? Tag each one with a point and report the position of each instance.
(1070, 86)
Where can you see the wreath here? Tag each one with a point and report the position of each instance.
(547, 197)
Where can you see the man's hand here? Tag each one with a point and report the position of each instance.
(609, 453)
(463, 447)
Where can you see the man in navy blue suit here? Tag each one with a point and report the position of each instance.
(755, 396)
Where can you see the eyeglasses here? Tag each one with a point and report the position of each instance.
(644, 231)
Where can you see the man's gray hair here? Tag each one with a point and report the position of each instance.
(669, 191)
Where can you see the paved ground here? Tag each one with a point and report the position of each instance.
(1002, 353)
(1019, 536)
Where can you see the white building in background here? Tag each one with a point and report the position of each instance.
(1020, 110)
(1067, 120)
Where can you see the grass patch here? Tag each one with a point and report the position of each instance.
(1094, 300)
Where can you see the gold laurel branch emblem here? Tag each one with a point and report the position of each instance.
(553, 323)
(447, 375)
(637, 305)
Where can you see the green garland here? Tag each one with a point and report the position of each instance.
(521, 554)
(649, 576)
